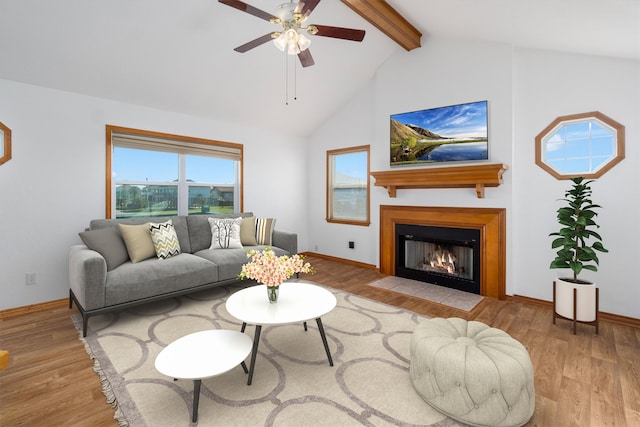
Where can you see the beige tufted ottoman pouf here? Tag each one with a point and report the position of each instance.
(473, 373)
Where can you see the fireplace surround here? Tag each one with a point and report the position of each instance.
(490, 223)
(444, 256)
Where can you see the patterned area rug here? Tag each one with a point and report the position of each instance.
(293, 384)
(434, 293)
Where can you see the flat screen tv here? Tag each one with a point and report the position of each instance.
(445, 134)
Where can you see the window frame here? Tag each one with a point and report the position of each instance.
(331, 154)
(186, 142)
(5, 142)
(617, 129)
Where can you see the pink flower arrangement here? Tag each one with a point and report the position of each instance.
(267, 268)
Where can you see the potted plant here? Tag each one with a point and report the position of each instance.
(578, 245)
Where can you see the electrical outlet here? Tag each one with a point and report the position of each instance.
(32, 279)
(316, 248)
(352, 245)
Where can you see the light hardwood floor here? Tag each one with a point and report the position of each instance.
(583, 380)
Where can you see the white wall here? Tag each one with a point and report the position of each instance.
(55, 182)
(548, 85)
(350, 127)
(526, 90)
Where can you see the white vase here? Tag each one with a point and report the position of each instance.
(586, 305)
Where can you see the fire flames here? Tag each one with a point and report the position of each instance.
(443, 260)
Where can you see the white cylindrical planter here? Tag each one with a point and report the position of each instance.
(586, 305)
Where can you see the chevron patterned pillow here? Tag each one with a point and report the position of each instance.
(165, 239)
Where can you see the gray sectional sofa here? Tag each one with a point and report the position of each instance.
(104, 279)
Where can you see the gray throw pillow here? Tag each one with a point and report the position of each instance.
(108, 242)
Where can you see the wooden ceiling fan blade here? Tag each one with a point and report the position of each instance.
(339, 33)
(248, 9)
(254, 43)
(305, 58)
(305, 7)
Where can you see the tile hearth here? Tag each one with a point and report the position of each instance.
(434, 293)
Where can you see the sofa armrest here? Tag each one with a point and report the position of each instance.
(87, 276)
(285, 240)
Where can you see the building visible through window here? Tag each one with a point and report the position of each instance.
(158, 175)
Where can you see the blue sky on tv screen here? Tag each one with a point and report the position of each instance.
(455, 121)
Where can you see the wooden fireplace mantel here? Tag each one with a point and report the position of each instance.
(476, 176)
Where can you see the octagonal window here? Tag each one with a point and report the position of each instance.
(5, 143)
(586, 145)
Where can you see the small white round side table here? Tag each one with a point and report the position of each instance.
(201, 355)
(299, 301)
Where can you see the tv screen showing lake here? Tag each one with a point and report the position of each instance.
(456, 152)
(444, 134)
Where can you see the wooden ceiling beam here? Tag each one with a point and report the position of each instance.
(384, 17)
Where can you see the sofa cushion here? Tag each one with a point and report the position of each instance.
(200, 230)
(179, 224)
(264, 230)
(154, 276)
(225, 233)
(248, 231)
(165, 239)
(108, 242)
(230, 261)
(137, 239)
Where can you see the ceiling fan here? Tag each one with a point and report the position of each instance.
(292, 16)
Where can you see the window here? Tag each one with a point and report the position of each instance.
(348, 185)
(5, 144)
(586, 145)
(153, 174)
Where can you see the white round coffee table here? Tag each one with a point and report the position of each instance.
(298, 301)
(201, 355)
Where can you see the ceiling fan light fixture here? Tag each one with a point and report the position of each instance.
(291, 36)
(303, 42)
(280, 42)
(292, 41)
(292, 49)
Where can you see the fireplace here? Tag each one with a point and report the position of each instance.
(489, 224)
(442, 256)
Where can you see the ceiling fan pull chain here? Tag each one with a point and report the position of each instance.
(286, 79)
(295, 80)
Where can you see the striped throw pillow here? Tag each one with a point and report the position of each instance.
(264, 230)
(165, 239)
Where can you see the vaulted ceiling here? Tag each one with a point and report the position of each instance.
(178, 56)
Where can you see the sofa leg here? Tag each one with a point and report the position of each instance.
(85, 316)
